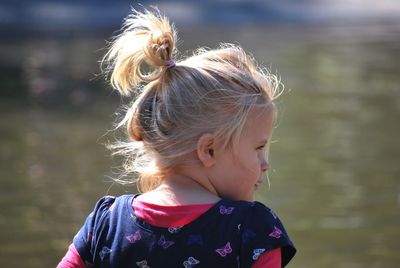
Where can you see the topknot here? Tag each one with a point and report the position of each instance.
(147, 42)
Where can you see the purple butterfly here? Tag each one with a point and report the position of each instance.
(165, 243)
(225, 210)
(225, 250)
(104, 252)
(257, 252)
(247, 234)
(174, 230)
(142, 264)
(134, 237)
(190, 262)
(195, 239)
(276, 233)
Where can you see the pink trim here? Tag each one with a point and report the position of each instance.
(168, 216)
(72, 259)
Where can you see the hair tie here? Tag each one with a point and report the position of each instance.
(170, 63)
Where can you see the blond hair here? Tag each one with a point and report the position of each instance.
(209, 92)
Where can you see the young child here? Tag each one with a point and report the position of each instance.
(199, 132)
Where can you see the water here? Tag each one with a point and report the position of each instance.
(335, 159)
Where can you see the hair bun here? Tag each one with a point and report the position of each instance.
(159, 48)
(147, 37)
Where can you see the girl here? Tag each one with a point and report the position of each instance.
(199, 132)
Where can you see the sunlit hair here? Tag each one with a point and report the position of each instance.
(210, 92)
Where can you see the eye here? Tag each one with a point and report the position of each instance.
(261, 147)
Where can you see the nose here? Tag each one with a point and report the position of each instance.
(264, 166)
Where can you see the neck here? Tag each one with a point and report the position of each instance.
(177, 188)
(188, 189)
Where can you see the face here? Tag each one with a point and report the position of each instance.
(238, 172)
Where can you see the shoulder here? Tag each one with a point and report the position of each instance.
(98, 224)
(262, 231)
(107, 207)
(249, 209)
(106, 202)
(261, 212)
(262, 220)
(252, 217)
(109, 203)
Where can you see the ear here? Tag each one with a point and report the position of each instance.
(206, 146)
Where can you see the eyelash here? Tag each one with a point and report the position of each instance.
(261, 147)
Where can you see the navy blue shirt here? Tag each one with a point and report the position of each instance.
(229, 234)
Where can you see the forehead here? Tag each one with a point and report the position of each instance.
(259, 123)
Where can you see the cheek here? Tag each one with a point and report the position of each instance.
(258, 158)
(252, 164)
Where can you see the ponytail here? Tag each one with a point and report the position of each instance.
(147, 39)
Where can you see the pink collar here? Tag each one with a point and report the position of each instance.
(168, 216)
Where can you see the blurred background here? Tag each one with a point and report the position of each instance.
(335, 160)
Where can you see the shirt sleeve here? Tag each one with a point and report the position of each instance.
(261, 232)
(72, 259)
(86, 240)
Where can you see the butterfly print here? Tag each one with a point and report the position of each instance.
(225, 210)
(134, 237)
(195, 240)
(165, 243)
(105, 251)
(190, 262)
(276, 233)
(247, 234)
(142, 264)
(225, 250)
(257, 252)
(174, 230)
